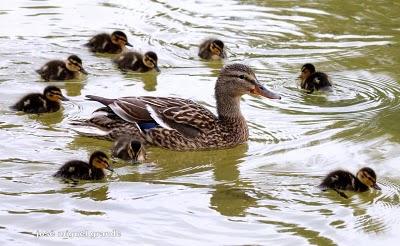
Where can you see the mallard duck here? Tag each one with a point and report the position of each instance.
(62, 70)
(137, 62)
(212, 49)
(312, 80)
(344, 180)
(106, 43)
(93, 170)
(129, 149)
(37, 103)
(181, 124)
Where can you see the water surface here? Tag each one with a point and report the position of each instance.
(259, 193)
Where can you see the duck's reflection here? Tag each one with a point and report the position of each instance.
(231, 193)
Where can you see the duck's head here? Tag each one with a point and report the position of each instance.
(136, 151)
(236, 80)
(306, 71)
(120, 39)
(100, 160)
(74, 64)
(217, 48)
(367, 176)
(150, 60)
(54, 94)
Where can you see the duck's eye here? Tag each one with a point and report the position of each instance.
(241, 76)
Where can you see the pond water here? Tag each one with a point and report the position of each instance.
(260, 193)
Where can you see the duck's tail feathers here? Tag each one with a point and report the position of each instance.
(102, 100)
(94, 128)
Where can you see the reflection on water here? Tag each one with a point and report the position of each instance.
(259, 193)
(149, 79)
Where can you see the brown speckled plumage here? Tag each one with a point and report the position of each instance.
(181, 124)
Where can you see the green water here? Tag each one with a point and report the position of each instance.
(260, 193)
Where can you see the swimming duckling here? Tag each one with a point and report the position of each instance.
(106, 43)
(62, 70)
(93, 170)
(212, 49)
(343, 180)
(129, 149)
(138, 62)
(312, 80)
(36, 103)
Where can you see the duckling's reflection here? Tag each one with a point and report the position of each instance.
(215, 66)
(357, 202)
(99, 193)
(73, 88)
(149, 79)
(48, 119)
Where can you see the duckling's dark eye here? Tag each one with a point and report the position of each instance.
(241, 76)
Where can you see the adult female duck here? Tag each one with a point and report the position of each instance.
(181, 124)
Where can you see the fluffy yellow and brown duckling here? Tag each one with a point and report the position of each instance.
(93, 170)
(312, 80)
(37, 103)
(137, 62)
(106, 43)
(212, 49)
(129, 149)
(344, 180)
(62, 70)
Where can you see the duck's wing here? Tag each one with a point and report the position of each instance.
(183, 115)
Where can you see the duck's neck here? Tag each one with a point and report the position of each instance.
(228, 108)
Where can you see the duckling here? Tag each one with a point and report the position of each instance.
(106, 43)
(312, 80)
(36, 103)
(212, 49)
(343, 180)
(62, 70)
(129, 149)
(93, 170)
(138, 62)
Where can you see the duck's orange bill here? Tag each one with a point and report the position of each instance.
(260, 90)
